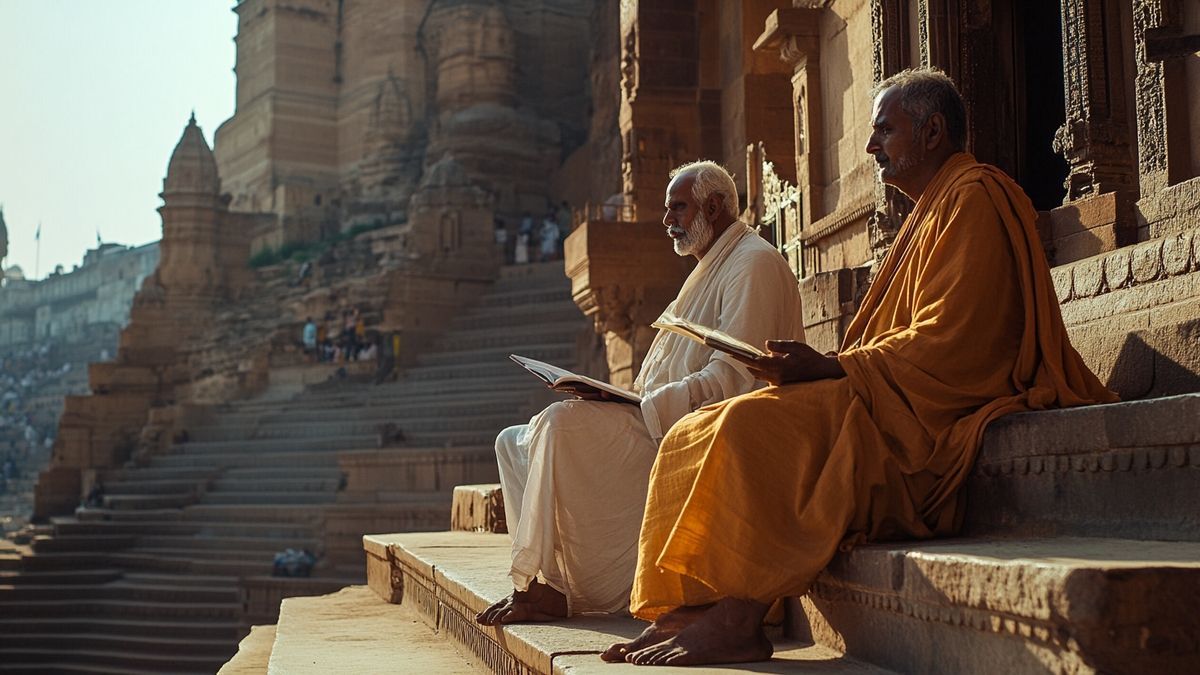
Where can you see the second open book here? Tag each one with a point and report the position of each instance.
(710, 337)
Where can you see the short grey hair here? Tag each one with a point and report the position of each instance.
(924, 91)
(711, 178)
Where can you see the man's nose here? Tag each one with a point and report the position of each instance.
(872, 145)
(667, 218)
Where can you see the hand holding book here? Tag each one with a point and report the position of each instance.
(792, 361)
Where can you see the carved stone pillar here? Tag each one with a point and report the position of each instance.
(1094, 139)
(1167, 203)
(795, 34)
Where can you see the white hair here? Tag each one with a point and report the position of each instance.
(711, 178)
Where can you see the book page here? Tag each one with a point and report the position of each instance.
(565, 381)
(710, 337)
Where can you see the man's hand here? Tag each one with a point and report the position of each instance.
(793, 361)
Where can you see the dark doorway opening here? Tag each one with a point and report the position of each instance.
(1040, 102)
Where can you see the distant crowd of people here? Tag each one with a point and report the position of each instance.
(535, 242)
(339, 338)
(25, 431)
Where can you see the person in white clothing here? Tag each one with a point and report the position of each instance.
(574, 479)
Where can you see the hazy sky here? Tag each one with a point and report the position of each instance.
(94, 95)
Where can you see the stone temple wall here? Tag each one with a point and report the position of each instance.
(343, 105)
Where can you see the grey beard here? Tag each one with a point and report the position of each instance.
(698, 236)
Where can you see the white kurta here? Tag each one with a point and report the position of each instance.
(575, 477)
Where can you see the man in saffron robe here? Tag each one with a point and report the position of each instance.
(574, 478)
(750, 498)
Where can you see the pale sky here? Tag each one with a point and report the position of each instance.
(94, 95)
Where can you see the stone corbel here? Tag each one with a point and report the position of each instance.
(794, 32)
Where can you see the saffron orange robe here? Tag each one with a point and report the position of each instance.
(750, 498)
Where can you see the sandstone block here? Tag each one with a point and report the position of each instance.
(478, 508)
(1177, 253)
(824, 295)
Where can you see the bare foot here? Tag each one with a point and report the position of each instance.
(664, 628)
(539, 603)
(729, 632)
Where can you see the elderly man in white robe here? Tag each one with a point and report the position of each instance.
(575, 478)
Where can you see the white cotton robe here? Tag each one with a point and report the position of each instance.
(575, 477)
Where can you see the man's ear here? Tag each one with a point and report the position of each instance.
(934, 131)
(713, 205)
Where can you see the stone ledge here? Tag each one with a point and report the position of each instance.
(1061, 471)
(253, 654)
(353, 631)
(447, 577)
(1074, 605)
(1128, 266)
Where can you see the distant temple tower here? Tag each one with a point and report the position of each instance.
(203, 264)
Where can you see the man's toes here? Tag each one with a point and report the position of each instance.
(643, 657)
(615, 653)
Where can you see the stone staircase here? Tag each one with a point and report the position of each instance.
(1080, 554)
(168, 573)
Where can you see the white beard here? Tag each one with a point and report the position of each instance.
(697, 237)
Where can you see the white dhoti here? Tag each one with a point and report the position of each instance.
(574, 482)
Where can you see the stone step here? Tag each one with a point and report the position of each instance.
(474, 373)
(90, 576)
(533, 273)
(154, 486)
(1063, 604)
(225, 631)
(150, 474)
(519, 316)
(93, 641)
(261, 544)
(1062, 471)
(117, 590)
(270, 485)
(512, 337)
(517, 297)
(68, 658)
(273, 498)
(354, 631)
(445, 578)
(92, 542)
(550, 352)
(337, 431)
(152, 501)
(258, 460)
(125, 608)
(177, 561)
(272, 445)
(461, 404)
(187, 528)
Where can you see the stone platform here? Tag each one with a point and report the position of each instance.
(447, 577)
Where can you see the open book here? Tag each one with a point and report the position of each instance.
(710, 337)
(567, 382)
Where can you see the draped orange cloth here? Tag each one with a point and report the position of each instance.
(750, 498)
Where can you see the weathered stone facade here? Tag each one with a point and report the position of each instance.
(1106, 146)
(341, 107)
